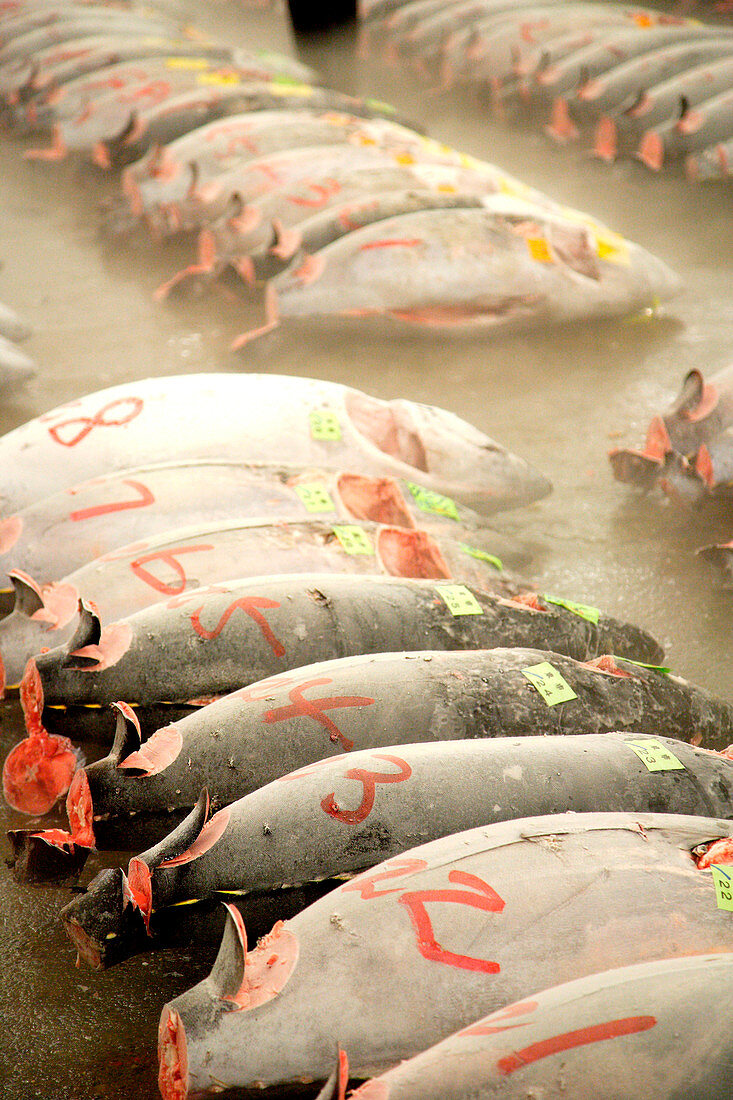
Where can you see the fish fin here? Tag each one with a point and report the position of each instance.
(87, 633)
(181, 838)
(127, 734)
(28, 595)
(227, 974)
(335, 1086)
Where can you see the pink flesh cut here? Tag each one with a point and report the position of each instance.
(31, 700)
(651, 151)
(2, 677)
(267, 968)
(374, 498)
(100, 156)
(157, 753)
(172, 1057)
(273, 320)
(207, 838)
(60, 601)
(87, 949)
(608, 666)
(380, 423)
(80, 810)
(530, 600)
(658, 444)
(10, 532)
(310, 270)
(561, 126)
(719, 852)
(138, 889)
(113, 644)
(411, 554)
(288, 241)
(691, 122)
(37, 772)
(371, 1090)
(704, 466)
(708, 401)
(605, 143)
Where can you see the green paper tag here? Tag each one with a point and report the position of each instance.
(458, 599)
(325, 425)
(428, 501)
(655, 755)
(481, 555)
(723, 879)
(315, 498)
(584, 610)
(354, 540)
(640, 664)
(550, 684)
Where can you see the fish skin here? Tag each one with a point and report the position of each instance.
(631, 1017)
(16, 368)
(621, 86)
(306, 618)
(454, 961)
(713, 163)
(660, 104)
(348, 813)
(702, 124)
(474, 261)
(180, 560)
(60, 533)
(196, 751)
(12, 326)
(209, 414)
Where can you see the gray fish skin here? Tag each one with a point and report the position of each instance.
(243, 631)
(166, 566)
(184, 112)
(614, 48)
(702, 124)
(21, 49)
(661, 104)
(60, 533)
(476, 263)
(493, 699)
(345, 814)
(441, 923)
(12, 326)
(631, 1018)
(721, 557)
(249, 417)
(314, 233)
(622, 86)
(166, 176)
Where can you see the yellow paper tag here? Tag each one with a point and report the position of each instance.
(723, 879)
(218, 78)
(354, 539)
(187, 63)
(315, 497)
(279, 86)
(428, 501)
(613, 249)
(324, 425)
(458, 599)
(655, 756)
(539, 249)
(551, 685)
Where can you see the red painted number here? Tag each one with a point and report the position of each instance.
(128, 408)
(486, 899)
(369, 782)
(145, 498)
(168, 558)
(314, 708)
(248, 604)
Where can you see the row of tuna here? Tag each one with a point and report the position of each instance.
(485, 851)
(336, 206)
(688, 453)
(16, 367)
(642, 82)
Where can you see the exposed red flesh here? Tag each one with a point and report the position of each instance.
(267, 968)
(374, 498)
(387, 429)
(157, 753)
(561, 126)
(605, 143)
(37, 772)
(172, 1057)
(719, 852)
(138, 889)
(80, 810)
(607, 665)
(651, 151)
(206, 839)
(10, 531)
(411, 554)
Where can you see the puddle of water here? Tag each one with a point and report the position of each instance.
(561, 398)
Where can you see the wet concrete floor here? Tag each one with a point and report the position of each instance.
(561, 398)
